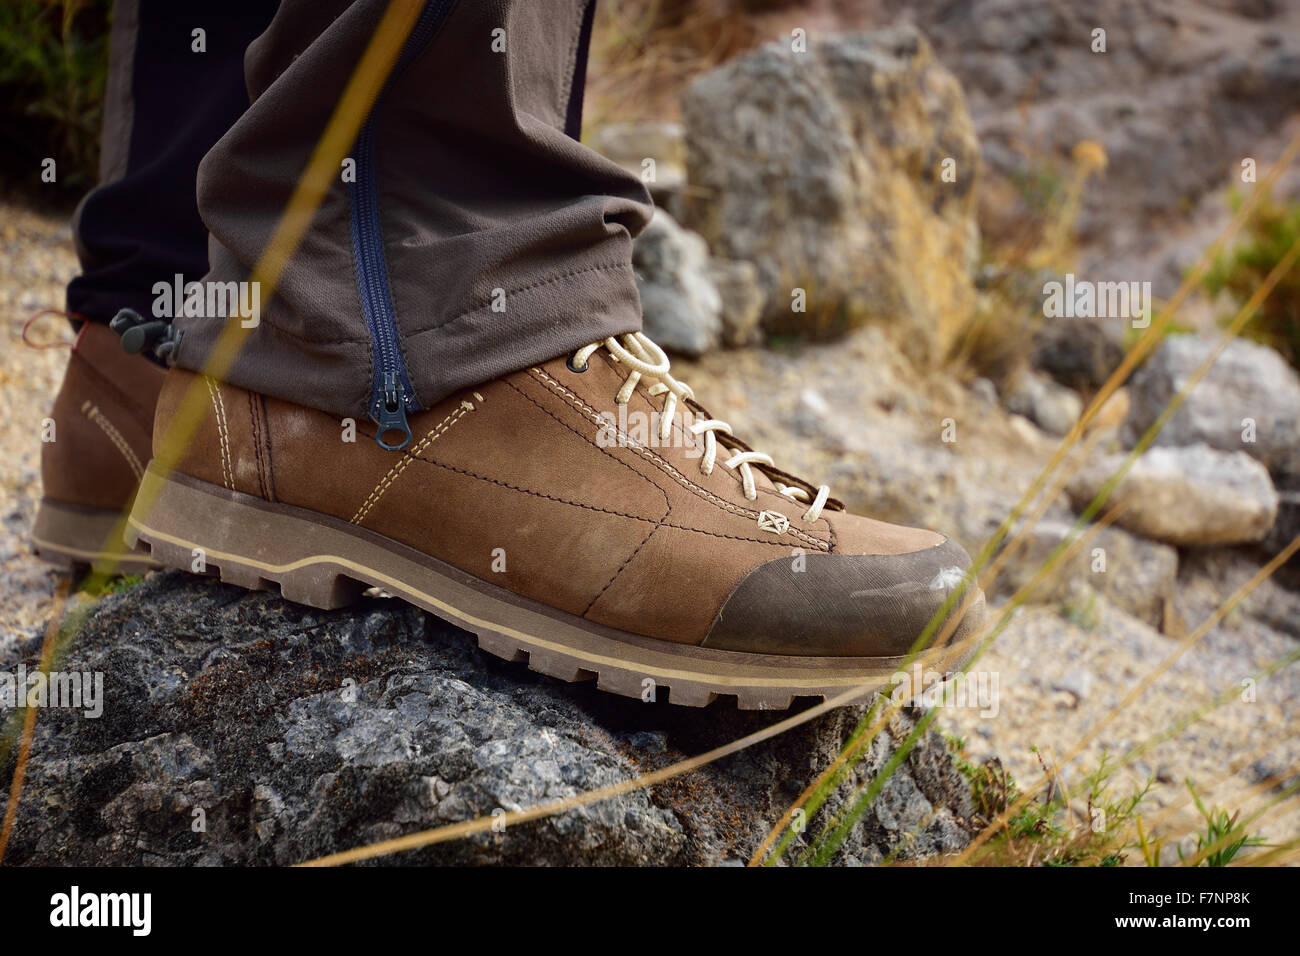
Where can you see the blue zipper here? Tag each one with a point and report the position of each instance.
(391, 395)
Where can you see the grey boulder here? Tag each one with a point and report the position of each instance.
(1249, 401)
(680, 305)
(1193, 496)
(238, 728)
(844, 172)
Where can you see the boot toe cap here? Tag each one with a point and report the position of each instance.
(840, 605)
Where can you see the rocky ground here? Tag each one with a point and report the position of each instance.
(1223, 74)
(36, 262)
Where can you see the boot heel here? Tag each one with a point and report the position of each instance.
(74, 537)
(198, 527)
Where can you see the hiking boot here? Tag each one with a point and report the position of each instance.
(585, 515)
(103, 426)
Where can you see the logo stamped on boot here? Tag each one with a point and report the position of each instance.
(773, 521)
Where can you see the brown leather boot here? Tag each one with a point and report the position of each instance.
(585, 515)
(103, 427)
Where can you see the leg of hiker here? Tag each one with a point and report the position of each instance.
(467, 235)
(542, 479)
(171, 94)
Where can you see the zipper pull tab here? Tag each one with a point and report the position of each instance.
(391, 415)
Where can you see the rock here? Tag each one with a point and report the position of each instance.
(300, 733)
(1190, 496)
(632, 144)
(812, 400)
(1133, 574)
(985, 391)
(1209, 577)
(1024, 429)
(1252, 9)
(1248, 383)
(1112, 413)
(742, 301)
(1280, 778)
(1076, 683)
(1036, 89)
(1078, 353)
(1052, 407)
(1287, 525)
(813, 414)
(680, 306)
(826, 170)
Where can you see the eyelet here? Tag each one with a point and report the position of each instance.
(573, 368)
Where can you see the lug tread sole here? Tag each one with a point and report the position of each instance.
(75, 538)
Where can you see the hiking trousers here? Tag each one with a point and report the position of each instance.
(466, 235)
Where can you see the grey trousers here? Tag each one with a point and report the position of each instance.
(468, 234)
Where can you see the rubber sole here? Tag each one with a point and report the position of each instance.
(73, 537)
(324, 562)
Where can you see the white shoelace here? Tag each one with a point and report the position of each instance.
(646, 359)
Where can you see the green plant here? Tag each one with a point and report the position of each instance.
(114, 585)
(1048, 830)
(53, 67)
(992, 788)
(1268, 236)
(1221, 830)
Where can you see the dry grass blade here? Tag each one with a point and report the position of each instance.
(1281, 855)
